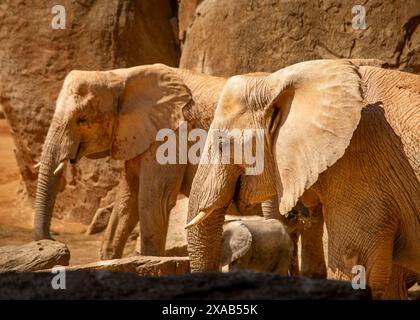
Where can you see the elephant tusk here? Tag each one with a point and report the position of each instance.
(60, 167)
(199, 218)
(37, 165)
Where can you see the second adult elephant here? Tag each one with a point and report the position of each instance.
(119, 113)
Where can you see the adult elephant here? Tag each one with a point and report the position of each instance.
(349, 134)
(119, 113)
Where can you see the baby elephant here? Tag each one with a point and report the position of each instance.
(257, 245)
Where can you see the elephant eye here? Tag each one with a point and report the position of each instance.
(81, 121)
(221, 146)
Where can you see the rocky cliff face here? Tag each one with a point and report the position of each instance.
(241, 36)
(35, 58)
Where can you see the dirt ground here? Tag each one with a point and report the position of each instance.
(16, 217)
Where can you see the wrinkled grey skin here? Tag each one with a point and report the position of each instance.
(258, 245)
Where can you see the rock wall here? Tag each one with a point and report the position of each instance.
(241, 36)
(35, 58)
(186, 14)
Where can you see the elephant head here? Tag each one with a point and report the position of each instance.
(237, 243)
(308, 113)
(114, 112)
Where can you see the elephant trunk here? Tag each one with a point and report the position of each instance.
(48, 184)
(211, 203)
(205, 242)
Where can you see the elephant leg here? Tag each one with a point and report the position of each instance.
(379, 268)
(400, 281)
(351, 243)
(294, 263)
(159, 186)
(312, 254)
(124, 216)
(270, 210)
(283, 266)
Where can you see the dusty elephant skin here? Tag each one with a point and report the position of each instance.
(351, 135)
(223, 286)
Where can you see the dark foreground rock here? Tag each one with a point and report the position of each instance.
(226, 286)
(33, 256)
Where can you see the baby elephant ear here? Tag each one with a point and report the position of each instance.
(320, 105)
(237, 241)
(153, 98)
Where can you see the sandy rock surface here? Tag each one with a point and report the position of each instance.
(141, 265)
(268, 35)
(33, 256)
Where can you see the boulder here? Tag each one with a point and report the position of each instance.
(141, 265)
(266, 35)
(222, 286)
(35, 58)
(33, 256)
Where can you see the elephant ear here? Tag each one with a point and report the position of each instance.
(153, 98)
(320, 105)
(237, 241)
